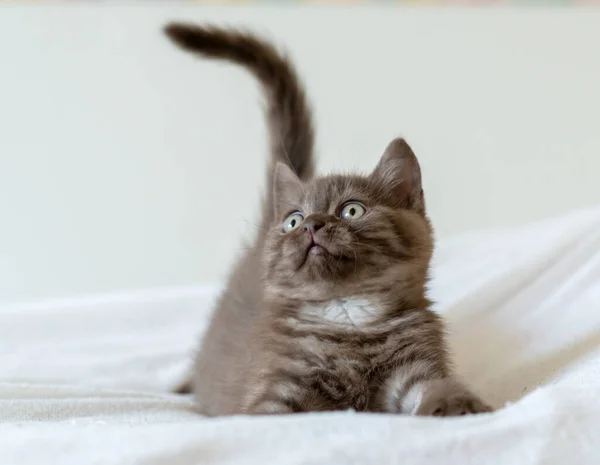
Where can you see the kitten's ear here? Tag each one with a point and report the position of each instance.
(287, 190)
(398, 173)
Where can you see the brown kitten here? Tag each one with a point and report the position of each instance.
(327, 309)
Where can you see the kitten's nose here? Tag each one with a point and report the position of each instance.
(312, 225)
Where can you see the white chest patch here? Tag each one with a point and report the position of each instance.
(351, 311)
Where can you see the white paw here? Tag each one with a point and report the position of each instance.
(448, 398)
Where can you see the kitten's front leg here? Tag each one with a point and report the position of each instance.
(279, 396)
(415, 391)
(270, 407)
(447, 397)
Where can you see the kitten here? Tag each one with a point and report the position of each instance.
(327, 308)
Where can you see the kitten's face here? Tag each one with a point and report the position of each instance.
(343, 235)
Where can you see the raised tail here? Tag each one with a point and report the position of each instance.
(288, 112)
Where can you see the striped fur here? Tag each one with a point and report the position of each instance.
(346, 327)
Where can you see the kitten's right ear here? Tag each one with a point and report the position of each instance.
(287, 190)
(399, 173)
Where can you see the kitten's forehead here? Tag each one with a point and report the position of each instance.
(323, 193)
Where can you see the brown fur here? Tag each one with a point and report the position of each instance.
(332, 314)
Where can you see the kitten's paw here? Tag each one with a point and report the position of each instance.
(270, 407)
(448, 398)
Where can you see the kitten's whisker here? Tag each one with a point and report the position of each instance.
(362, 244)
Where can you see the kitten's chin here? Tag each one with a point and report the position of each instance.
(317, 251)
(315, 281)
(309, 291)
(313, 255)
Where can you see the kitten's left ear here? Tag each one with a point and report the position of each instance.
(398, 173)
(287, 190)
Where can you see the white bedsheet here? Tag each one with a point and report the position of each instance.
(84, 381)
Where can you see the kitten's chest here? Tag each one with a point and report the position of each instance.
(342, 331)
(342, 337)
(343, 314)
(337, 340)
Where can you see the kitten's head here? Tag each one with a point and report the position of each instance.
(336, 236)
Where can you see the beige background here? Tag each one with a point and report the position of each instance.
(126, 164)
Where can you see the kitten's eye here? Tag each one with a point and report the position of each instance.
(352, 211)
(292, 222)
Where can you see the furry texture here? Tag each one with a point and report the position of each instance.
(327, 310)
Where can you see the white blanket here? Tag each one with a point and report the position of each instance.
(85, 381)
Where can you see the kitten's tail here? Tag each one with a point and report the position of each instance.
(288, 112)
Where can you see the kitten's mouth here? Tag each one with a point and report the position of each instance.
(316, 250)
